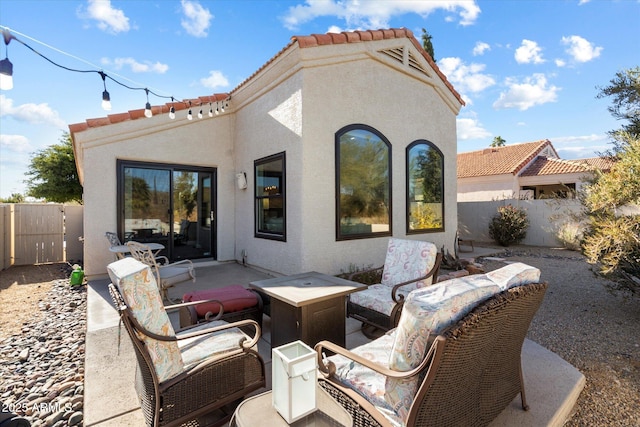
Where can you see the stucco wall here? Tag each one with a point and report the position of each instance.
(158, 139)
(546, 218)
(495, 187)
(295, 104)
(300, 114)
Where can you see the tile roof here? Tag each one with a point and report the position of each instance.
(545, 166)
(303, 42)
(509, 159)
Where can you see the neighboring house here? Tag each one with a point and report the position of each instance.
(531, 170)
(336, 143)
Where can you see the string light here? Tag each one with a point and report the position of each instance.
(106, 99)
(147, 108)
(6, 80)
(6, 67)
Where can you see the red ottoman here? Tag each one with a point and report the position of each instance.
(238, 303)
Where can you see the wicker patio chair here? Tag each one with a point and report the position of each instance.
(181, 377)
(471, 371)
(167, 274)
(409, 264)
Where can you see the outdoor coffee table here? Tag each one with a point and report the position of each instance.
(309, 307)
(259, 411)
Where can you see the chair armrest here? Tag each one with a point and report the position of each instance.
(174, 307)
(243, 342)
(328, 368)
(432, 273)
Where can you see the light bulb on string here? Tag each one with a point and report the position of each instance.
(210, 110)
(172, 111)
(189, 115)
(147, 108)
(6, 67)
(200, 114)
(106, 99)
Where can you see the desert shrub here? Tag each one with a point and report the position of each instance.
(570, 235)
(509, 225)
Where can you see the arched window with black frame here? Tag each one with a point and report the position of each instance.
(363, 183)
(425, 187)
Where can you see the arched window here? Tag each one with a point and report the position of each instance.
(425, 187)
(363, 183)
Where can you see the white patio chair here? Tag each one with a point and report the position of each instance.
(167, 274)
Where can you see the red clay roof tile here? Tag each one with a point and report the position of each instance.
(512, 159)
(303, 42)
(509, 159)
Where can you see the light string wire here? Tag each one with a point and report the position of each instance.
(7, 32)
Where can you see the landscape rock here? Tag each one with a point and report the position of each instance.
(42, 368)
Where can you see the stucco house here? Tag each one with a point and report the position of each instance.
(336, 143)
(531, 170)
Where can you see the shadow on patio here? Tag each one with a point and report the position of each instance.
(552, 384)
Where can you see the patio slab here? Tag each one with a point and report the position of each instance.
(552, 385)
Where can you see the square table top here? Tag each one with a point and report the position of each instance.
(306, 288)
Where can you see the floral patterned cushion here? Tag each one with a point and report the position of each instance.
(194, 350)
(515, 274)
(407, 260)
(140, 292)
(426, 313)
(378, 297)
(366, 382)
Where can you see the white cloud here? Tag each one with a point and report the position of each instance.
(471, 128)
(581, 146)
(560, 62)
(31, 113)
(465, 78)
(15, 143)
(581, 2)
(367, 15)
(532, 91)
(215, 80)
(109, 18)
(480, 48)
(197, 19)
(581, 49)
(136, 67)
(529, 52)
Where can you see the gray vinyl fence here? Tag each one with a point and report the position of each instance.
(40, 233)
(547, 219)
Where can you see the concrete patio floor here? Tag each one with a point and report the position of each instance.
(552, 385)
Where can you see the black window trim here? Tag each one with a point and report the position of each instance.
(283, 191)
(407, 177)
(338, 134)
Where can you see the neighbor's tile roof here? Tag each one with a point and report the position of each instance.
(310, 41)
(545, 166)
(509, 159)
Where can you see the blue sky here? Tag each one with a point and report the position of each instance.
(528, 70)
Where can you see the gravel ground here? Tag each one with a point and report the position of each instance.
(595, 329)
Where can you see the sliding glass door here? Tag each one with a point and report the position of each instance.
(168, 204)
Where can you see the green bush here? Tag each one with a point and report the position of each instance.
(509, 225)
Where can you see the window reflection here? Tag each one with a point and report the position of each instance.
(425, 187)
(363, 183)
(270, 191)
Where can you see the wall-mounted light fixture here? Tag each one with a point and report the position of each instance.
(241, 180)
